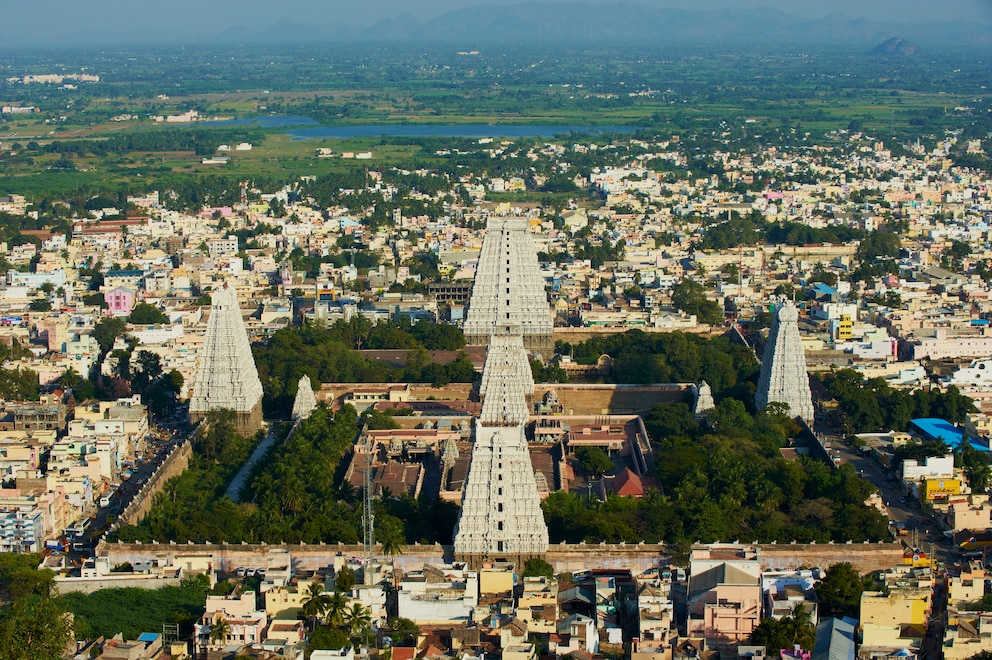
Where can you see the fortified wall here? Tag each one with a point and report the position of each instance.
(174, 464)
(865, 557)
(611, 399)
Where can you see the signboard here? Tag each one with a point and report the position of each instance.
(941, 487)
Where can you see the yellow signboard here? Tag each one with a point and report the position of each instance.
(936, 488)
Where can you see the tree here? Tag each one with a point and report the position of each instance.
(593, 460)
(336, 606)
(840, 591)
(316, 603)
(326, 637)
(690, 297)
(34, 628)
(220, 630)
(345, 579)
(106, 331)
(784, 633)
(145, 314)
(95, 300)
(40, 305)
(404, 632)
(357, 619)
(537, 567)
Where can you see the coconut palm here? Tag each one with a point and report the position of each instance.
(316, 602)
(220, 630)
(392, 541)
(336, 606)
(357, 619)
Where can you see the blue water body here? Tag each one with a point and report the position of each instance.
(265, 121)
(459, 130)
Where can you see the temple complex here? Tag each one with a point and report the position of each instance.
(509, 289)
(227, 378)
(783, 377)
(501, 515)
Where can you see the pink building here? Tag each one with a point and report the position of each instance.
(724, 593)
(245, 623)
(120, 301)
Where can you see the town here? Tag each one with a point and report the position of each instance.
(591, 396)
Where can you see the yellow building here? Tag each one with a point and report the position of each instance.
(845, 328)
(496, 579)
(896, 619)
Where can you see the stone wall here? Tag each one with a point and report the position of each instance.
(174, 464)
(89, 585)
(865, 557)
(226, 557)
(615, 399)
(579, 335)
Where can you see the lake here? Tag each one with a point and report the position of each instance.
(305, 128)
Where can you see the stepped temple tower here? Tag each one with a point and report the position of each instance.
(784, 378)
(305, 400)
(501, 515)
(509, 289)
(227, 378)
(703, 404)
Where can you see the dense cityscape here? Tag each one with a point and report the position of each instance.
(590, 368)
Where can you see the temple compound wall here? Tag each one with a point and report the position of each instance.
(865, 557)
(174, 464)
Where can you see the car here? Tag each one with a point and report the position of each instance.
(250, 572)
(240, 572)
(260, 571)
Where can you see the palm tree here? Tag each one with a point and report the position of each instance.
(392, 542)
(220, 630)
(357, 619)
(316, 603)
(335, 608)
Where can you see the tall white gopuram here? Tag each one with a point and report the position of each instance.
(501, 515)
(783, 377)
(227, 378)
(305, 401)
(703, 405)
(509, 288)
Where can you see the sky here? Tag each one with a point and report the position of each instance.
(49, 21)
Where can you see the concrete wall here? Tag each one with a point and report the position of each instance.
(174, 464)
(89, 585)
(865, 557)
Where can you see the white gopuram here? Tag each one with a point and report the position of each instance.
(501, 515)
(703, 405)
(305, 400)
(509, 289)
(227, 378)
(783, 377)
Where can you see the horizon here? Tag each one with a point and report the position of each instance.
(112, 22)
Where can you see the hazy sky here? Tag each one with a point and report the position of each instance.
(48, 20)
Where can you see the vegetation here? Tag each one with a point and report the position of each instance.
(329, 354)
(33, 624)
(725, 483)
(839, 592)
(672, 357)
(297, 494)
(689, 296)
(132, 611)
(868, 405)
(777, 634)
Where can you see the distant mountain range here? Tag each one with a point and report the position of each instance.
(624, 23)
